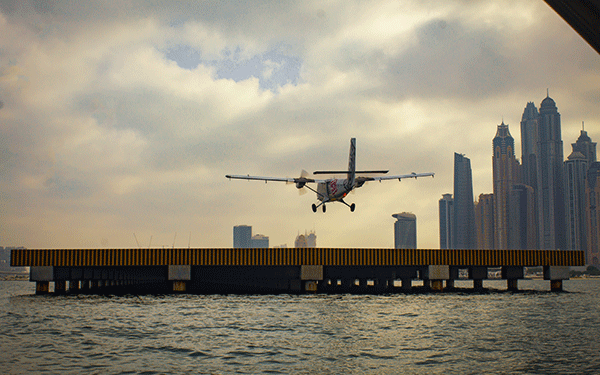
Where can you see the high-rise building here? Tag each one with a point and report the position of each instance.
(300, 241)
(529, 161)
(446, 217)
(550, 178)
(242, 236)
(522, 228)
(529, 145)
(575, 173)
(405, 231)
(484, 221)
(505, 169)
(464, 212)
(259, 241)
(311, 239)
(585, 146)
(306, 240)
(592, 192)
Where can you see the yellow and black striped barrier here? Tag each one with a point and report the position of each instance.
(292, 256)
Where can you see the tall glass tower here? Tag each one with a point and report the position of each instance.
(505, 168)
(550, 179)
(446, 218)
(464, 210)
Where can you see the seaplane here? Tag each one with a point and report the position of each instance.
(335, 189)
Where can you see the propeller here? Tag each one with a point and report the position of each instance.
(301, 189)
(300, 184)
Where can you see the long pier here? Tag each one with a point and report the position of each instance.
(285, 270)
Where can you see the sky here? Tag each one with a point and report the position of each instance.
(120, 120)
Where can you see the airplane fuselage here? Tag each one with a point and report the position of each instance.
(333, 190)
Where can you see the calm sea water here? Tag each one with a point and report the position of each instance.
(530, 332)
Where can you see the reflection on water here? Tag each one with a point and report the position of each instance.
(500, 332)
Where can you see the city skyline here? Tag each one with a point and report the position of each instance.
(118, 123)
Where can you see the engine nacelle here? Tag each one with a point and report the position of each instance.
(300, 184)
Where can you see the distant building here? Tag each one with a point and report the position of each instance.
(592, 192)
(585, 146)
(464, 211)
(311, 239)
(522, 228)
(259, 241)
(306, 240)
(242, 237)
(529, 145)
(405, 231)
(576, 167)
(300, 241)
(446, 209)
(529, 160)
(484, 221)
(550, 179)
(505, 169)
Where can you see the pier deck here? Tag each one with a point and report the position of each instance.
(295, 270)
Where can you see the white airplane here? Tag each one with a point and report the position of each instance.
(333, 189)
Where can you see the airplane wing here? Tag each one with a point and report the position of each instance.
(398, 177)
(278, 179)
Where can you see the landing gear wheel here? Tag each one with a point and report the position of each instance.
(324, 209)
(314, 207)
(352, 207)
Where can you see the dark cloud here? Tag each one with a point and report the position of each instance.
(448, 60)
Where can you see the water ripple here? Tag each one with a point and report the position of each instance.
(497, 332)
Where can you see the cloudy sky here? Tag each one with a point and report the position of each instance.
(119, 120)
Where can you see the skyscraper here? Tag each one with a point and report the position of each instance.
(550, 178)
(306, 240)
(575, 172)
(592, 192)
(242, 235)
(529, 163)
(446, 217)
(529, 145)
(259, 241)
(585, 146)
(405, 231)
(522, 228)
(464, 212)
(505, 169)
(484, 221)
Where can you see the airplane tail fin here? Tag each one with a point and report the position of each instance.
(352, 162)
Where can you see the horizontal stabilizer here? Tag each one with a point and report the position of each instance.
(344, 172)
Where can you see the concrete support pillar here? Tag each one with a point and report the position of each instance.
(406, 284)
(478, 284)
(556, 285)
(85, 285)
(179, 286)
(556, 275)
(42, 277)
(42, 287)
(94, 285)
(310, 286)
(437, 285)
(450, 283)
(74, 286)
(512, 284)
(180, 275)
(436, 275)
(60, 287)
